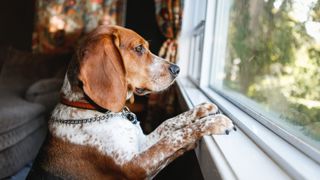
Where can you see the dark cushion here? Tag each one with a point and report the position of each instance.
(23, 123)
(21, 69)
(45, 92)
(15, 157)
(15, 135)
(15, 111)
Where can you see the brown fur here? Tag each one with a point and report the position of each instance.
(108, 66)
(84, 162)
(103, 75)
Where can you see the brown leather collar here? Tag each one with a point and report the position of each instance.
(83, 104)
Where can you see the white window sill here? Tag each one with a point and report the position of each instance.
(252, 152)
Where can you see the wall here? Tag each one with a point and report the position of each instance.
(16, 23)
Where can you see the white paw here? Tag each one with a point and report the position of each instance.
(217, 124)
(205, 109)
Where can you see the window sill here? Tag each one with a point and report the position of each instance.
(252, 152)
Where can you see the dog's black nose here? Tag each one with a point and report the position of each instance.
(174, 69)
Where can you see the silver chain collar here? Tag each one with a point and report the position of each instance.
(125, 113)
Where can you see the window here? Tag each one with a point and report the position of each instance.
(197, 40)
(265, 59)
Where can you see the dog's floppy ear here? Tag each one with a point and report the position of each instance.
(102, 72)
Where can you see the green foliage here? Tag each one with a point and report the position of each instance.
(313, 130)
(279, 61)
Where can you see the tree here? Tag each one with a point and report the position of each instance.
(277, 61)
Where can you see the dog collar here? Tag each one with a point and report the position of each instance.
(78, 104)
(125, 113)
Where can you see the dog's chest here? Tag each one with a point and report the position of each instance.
(116, 137)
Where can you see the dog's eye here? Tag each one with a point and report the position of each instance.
(139, 49)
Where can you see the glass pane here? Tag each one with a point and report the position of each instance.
(272, 62)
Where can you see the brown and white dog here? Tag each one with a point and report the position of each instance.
(90, 135)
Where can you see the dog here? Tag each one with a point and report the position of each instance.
(92, 135)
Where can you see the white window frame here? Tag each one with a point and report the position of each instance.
(197, 39)
(253, 152)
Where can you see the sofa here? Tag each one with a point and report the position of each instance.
(29, 90)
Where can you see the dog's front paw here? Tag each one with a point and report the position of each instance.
(217, 124)
(205, 109)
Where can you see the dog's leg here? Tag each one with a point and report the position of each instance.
(176, 143)
(182, 120)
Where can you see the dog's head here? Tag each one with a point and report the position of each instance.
(114, 62)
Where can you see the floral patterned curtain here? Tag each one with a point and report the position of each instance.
(59, 24)
(169, 18)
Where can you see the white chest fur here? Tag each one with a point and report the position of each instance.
(116, 137)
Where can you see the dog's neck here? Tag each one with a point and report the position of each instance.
(63, 111)
(69, 93)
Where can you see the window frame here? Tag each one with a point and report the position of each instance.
(197, 39)
(287, 157)
(197, 43)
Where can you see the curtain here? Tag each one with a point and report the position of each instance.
(59, 24)
(169, 19)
